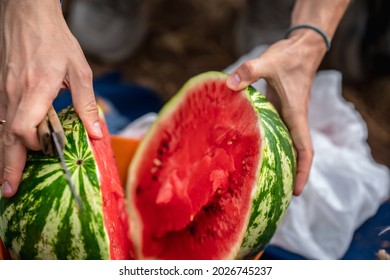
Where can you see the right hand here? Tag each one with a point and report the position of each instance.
(289, 67)
(39, 56)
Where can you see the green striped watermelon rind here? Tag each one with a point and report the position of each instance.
(276, 175)
(42, 220)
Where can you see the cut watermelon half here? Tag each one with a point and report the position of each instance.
(213, 177)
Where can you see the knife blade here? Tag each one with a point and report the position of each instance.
(52, 137)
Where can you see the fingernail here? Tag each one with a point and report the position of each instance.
(234, 80)
(97, 129)
(6, 189)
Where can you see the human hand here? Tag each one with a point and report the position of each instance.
(39, 56)
(289, 67)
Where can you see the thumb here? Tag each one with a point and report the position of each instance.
(85, 103)
(246, 74)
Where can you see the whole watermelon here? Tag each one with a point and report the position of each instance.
(213, 177)
(42, 221)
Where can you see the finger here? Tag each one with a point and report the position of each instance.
(247, 73)
(296, 121)
(298, 125)
(31, 110)
(305, 159)
(14, 162)
(84, 100)
(273, 97)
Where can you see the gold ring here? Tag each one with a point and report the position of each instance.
(2, 121)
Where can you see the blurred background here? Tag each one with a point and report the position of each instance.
(160, 44)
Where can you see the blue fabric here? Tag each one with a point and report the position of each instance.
(367, 241)
(128, 101)
(365, 244)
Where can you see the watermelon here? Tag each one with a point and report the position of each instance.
(213, 177)
(42, 221)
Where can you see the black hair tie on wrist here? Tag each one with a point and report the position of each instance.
(312, 27)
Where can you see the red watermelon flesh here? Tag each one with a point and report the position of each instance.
(114, 209)
(192, 184)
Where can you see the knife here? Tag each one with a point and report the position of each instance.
(52, 137)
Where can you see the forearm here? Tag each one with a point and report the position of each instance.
(32, 10)
(323, 14)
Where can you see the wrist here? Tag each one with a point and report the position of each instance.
(314, 28)
(310, 44)
(39, 13)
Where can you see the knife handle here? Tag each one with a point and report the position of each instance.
(50, 124)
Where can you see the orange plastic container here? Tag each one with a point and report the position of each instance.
(124, 149)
